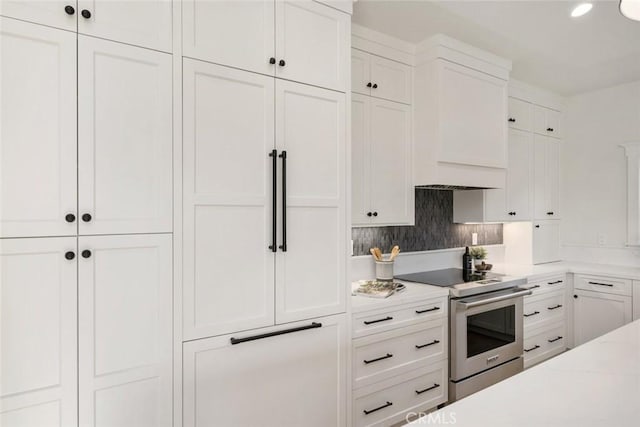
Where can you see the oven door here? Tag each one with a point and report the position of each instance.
(486, 330)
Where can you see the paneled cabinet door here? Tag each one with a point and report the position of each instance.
(520, 114)
(145, 23)
(546, 241)
(125, 141)
(597, 313)
(239, 34)
(519, 175)
(390, 80)
(38, 352)
(228, 200)
(125, 324)
(310, 269)
(53, 13)
(360, 72)
(546, 155)
(319, 57)
(38, 131)
(294, 379)
(547, 122)
(360, 159)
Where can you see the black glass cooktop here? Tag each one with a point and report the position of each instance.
(447, 277)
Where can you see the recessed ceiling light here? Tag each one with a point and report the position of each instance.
(630, 9)
(581, 9)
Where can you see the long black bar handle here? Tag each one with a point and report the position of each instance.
(601, 284)
(313, 325)
(378, 408)
(274, 210)
(377, 359)
(370, 322)
(283, 156)
(428, 388)
(427, 310)
(558, 338)
(434, 342)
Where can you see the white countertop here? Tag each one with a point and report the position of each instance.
(531, 271)
(596, 384)
(414, 292)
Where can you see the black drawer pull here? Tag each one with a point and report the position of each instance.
(388, 356)
(512, 120)
(369, 322)
(313, 325)
(427, 310)
(378, 408)
(532, 348)
(534, 286)
(555, 339)
(428, 388)
(554, 307)
(601, 284)
(554, 283)
(532, 314)
(427, 344)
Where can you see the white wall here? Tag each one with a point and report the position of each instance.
(594, 174)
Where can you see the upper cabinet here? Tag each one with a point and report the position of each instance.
(145, 23)
(520, 114)
(380, 77)
(271, 37)
(547, 122)
(546, 157)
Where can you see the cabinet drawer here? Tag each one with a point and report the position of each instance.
(387, 354)
(603, 284)
(388, 402)
(544, 308)
(383, 320)
(544, 344)
(551, 282)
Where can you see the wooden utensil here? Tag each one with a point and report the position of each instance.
(394, 252)
(378, 254)
(374, 254)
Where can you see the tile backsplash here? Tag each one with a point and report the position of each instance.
(434, 228)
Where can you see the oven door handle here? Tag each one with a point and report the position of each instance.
(467, 305)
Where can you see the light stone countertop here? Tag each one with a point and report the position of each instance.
(413, 293)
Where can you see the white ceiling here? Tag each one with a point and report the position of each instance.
(548, 47)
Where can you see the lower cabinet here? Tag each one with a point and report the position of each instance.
(293, 374)
(544, 343)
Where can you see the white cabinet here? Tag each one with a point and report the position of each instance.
(229, 201)
(53, 13)
(145, 23)
(125, 141)
(380, 77)
(125, 330)
(38, 335)
(270, 37)
(520, 114)
(38, 130)
(382, 185)
(547, 122)
(289, 375)
(601, 304)
(546, 181)
(546, 242)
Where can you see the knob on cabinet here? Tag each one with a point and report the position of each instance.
(70, 217)
(369, 84)
(69, 9)
(86, 253)
(282, 63)
(272, 60)
(86, 217)
(85, 14)
(70, 255)
(375, 86)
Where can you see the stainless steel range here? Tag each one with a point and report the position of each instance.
(485, 326)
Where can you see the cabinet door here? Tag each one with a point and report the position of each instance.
(547, 121)
(391, 80)
(53, 13)
(319, 57)
(145, 23)
(540, 179)
(38, 336)
(391, 178)
(596, 313)
(520, 114)
(360, 72)
(553, 178)
(293, 379)
(125, 141)
(360, 159)
(546, 241)
(235, 33)
(125, 330)
(37, 130)
(554, 125)
(539, 120)
(310, 275)
(228, 199)
(519, 175)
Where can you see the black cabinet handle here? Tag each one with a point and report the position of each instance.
(70, 217)
(549, 129)
(428, 388)
(601, 284)
(85, 14)
(69, 9)
(369, 84)
(283, 156)
(370, 322)
(427, 310)
(375, 214)
(70, 255)
(313, 325)
(86, 253)
(434, 342)
(555, 307)
(532, 314)
(532, 348)
(387, 356)
(274, 190)
(378, 408)
(86, 217)
(272, 60)
(369, 214)
(534, 286)
(575, 296)
(282, 63)
(549, 213)
(512, 120)
(375, 86)
(554, 283)
(555, 339)
(537, 226)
